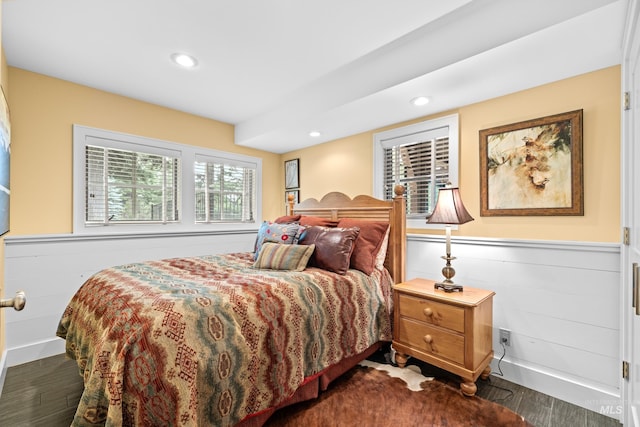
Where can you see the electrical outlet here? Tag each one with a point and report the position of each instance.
(505, 337)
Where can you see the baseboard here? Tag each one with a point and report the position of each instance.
(601, 400)
(39, 350)
(3, 370)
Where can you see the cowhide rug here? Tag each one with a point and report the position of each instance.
(374, 394)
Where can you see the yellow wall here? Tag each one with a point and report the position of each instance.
(44, 109)
(43, 112)
(346, 164)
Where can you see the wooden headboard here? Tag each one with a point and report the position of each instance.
(337, 205)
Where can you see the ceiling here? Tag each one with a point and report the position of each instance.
(278, 69)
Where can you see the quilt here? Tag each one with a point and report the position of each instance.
(212, 340)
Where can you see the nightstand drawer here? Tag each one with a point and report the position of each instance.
(443, 315)
(431, 340)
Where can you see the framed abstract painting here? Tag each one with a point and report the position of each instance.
(533, 167)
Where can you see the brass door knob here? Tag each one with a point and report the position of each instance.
(16, 302)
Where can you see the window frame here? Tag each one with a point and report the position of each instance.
(399, 136)
(83, 135)
(103, 157)
(226, 162)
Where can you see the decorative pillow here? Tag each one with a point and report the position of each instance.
(368, 243)
(281, 233)
(316, 220)
(287, 219)
(381, 257)
(275, 256)
(333, 247)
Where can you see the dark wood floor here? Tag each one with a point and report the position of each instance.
(540, 409)
(46, 392)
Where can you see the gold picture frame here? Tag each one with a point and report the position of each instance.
(533, 167)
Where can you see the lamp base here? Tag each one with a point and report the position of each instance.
(448, 287)
(448, 272)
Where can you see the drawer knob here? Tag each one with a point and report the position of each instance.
(428, 312)
(429, 340)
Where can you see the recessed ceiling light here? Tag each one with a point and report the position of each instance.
(315, 133)
(184, 60)
(420, 100)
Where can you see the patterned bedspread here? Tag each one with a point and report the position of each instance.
(210, 340)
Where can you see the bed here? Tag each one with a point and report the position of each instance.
(228, 339)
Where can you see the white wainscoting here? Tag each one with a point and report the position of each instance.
(560, 300)
(51, 268)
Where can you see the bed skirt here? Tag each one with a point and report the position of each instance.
(312, 386)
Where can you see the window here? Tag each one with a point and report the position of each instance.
(422, 157)
(225, 191)
(129, 186)
(129, 183)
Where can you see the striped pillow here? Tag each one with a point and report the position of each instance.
(276, 256)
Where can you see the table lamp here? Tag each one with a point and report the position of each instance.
(449, 210)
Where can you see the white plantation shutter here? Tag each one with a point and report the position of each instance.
(422, 167)
(135, 184)
(225, 190)
(124, 186)
(422, 157)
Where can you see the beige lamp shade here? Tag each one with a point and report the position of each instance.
(449, 208)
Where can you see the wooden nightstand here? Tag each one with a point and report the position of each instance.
(450, 330)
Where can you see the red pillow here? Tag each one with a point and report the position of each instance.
(287, 219)
(368, 243)
(333, 247)
(316, 220)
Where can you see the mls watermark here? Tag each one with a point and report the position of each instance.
(611, 409)
(606, 407)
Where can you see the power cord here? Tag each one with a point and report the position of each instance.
(510, 392)
(504, 351)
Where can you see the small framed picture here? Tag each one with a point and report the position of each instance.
(292, 173)
(296, 196)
